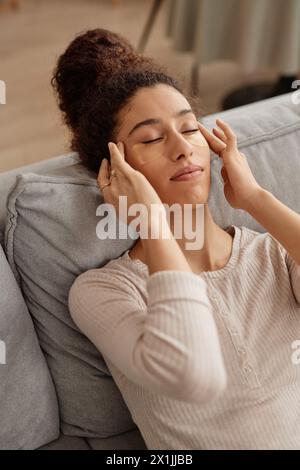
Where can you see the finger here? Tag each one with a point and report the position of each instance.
(220, 134)
(231, 137)
(118, 161)
(117, 155)
(213, 141)
(211, 138)
(103, 175)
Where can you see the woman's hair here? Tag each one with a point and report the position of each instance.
(97, 75)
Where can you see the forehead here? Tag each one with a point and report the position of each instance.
(159, 101)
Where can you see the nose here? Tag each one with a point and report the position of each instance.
(180, 147)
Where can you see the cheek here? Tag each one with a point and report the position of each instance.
(153, 172)
(143, 155)
(130, 156)
(198, 140)
(156, 175)
(201, 147)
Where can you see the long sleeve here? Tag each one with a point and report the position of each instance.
(170, 346)
(294, 273)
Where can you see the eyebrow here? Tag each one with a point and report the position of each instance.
(152, 121)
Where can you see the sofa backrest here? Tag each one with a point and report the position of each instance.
(8, 179)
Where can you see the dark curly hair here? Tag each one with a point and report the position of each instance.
(94, 79)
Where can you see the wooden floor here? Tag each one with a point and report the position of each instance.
(32, 38)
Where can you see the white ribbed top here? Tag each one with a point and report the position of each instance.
(203, 361)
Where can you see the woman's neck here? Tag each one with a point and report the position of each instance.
(216, 250)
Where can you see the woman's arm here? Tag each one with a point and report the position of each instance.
(243, 192)
(161, 249)
(169, 346)
(280, 221)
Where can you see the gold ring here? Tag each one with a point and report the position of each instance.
(112, 174)
(104, 186)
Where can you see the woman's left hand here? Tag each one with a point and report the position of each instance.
(240, 186)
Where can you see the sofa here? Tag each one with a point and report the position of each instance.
(56, 392)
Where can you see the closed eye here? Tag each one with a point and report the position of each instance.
(159, 138)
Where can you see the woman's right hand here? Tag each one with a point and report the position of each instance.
(128, 182)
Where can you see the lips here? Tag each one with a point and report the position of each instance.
(187, 169)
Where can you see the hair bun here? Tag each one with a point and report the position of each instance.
(89, 60)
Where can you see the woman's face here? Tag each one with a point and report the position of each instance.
(177, 142)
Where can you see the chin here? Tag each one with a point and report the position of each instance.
(188, 198)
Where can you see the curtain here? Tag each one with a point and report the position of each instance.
(253, 33)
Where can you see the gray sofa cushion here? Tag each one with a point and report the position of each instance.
(130, 440)
(50, 239)
(8, 179)
(67, 443)
(28, 404)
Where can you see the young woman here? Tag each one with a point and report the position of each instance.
(200, 343)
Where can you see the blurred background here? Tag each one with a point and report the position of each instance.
(229, 52)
